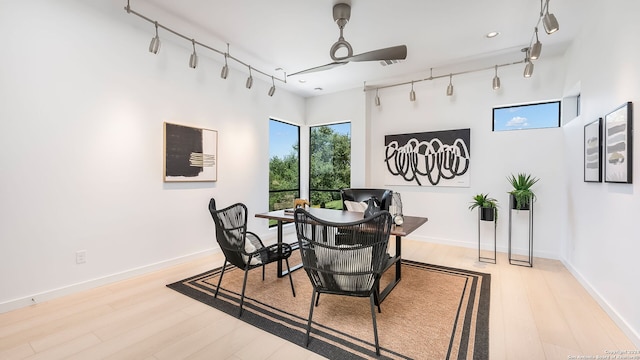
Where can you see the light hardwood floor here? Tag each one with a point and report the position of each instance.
(536, 313)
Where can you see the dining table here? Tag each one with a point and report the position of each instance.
(409, 224)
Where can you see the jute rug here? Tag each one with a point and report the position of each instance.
(435, 312)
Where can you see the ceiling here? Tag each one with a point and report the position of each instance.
(447, 36)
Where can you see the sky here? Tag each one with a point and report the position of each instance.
(532, 116)
(283, 136)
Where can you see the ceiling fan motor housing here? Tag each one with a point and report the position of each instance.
(341, 12)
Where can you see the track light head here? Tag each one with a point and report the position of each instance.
(450, 86)
(272, 89)
(536, 48)
(528, 69)
(412, 94)
(496, 80)
(193, 59)
(377, 99)
(550, 22)
(154, 46)
(225, 69)
(249, 83)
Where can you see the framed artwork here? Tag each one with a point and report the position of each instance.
(190, 154)
(436, 158)
(592, 150)
(618, 146)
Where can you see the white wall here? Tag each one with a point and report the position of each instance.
(602, 244)
(83, 106)
(494, 155)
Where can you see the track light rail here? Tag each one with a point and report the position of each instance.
(129, 10)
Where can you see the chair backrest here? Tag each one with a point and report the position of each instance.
(231, 230)
(343, 258)
(384, 196)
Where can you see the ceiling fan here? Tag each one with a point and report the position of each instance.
(341, 15)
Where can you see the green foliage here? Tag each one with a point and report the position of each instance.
(522, 192)
(484, 201)
(330, 166)
(330, 170)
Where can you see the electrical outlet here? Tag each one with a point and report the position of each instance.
(81, 257)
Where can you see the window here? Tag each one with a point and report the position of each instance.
(329, 164)
(284, 165)
(528, 116)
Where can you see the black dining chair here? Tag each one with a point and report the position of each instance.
(339, 269)
(243, 248)
(384, 196)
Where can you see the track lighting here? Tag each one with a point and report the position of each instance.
(550, 22)
(377, 99)
(193, 59)
(536, 48)
(249, 80)
(225, 69)
(496, 80)
(450, 87)
(272, 90)
(528, 69)
(154, 47)
(412, 94)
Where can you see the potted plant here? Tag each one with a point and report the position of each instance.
(521, 193)
(488, 206)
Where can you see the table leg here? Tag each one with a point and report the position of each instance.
(283, 272)
(280, 274)
(395, 260)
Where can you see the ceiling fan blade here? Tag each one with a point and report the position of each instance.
(320, 68)
(391, 53)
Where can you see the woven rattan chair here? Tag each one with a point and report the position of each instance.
(350, 267)
(243, 248)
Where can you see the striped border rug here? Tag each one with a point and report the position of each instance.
(435, 312)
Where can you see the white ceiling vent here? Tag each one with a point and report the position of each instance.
(389, 62)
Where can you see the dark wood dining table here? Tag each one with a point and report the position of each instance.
(410, 224)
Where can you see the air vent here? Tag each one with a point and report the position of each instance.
(389, 62)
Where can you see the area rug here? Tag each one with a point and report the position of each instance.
(434, 312)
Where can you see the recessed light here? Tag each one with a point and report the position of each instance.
(492, 34)
(302, 81)
(318, 89)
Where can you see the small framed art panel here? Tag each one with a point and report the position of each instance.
(592, 150)
(190, 154)
(618, 146)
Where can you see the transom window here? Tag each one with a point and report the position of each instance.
(527, 116)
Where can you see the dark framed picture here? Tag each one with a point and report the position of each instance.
(190, 154)
(618, 145)
(592, 150)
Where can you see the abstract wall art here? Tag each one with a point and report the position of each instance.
(190, 154)
(618, 150)
(592, 150)
(436, 158)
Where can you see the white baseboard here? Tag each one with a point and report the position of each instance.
(474, 245)
(633, 335)
(90, 284)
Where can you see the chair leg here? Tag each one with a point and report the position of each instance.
(375, 325)
(224, 266)
(318, 299)
(290, 278)
(244, 285)
(306, 339)
(376, 297)
(262, 272)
